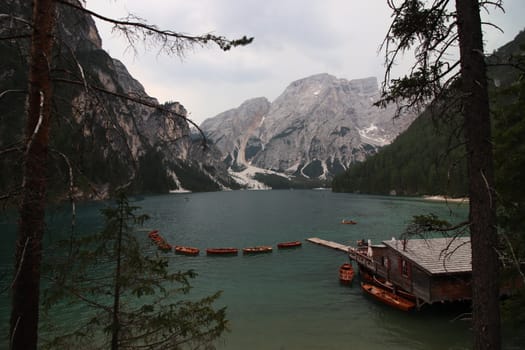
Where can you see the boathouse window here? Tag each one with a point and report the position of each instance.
(385, 262)
(405, 268)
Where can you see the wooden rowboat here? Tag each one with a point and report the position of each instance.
(285, 245)
(165, 247)
(348, 222)
(222, 251)
(346, 273)
(382, 283)
(387, 297)
(186, 250)
(159, 241)
(257, 250)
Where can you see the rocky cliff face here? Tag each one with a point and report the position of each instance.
(233, 131)
(315, 128)
(109, 137)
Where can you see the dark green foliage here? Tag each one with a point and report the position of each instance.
(510, 167)
(422, 23)
(277, 182)
(510, 155)
(151, 175)
(129, 298)
(192, 178)
(426, 159)
(335, 166)
(313, 169)
(12, 114)
(427, 27)
(513, 310)
(369, 148)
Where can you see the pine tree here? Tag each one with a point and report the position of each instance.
(134, 300)
(430, 29)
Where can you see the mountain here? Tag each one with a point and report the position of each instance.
(108, 138)
(315, 129)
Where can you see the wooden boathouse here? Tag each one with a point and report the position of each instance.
(433, 270)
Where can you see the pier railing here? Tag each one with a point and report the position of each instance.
(361, 257)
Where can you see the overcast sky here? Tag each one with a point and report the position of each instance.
(293, 39)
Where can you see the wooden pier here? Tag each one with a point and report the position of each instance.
(359, 255)
(330, 244)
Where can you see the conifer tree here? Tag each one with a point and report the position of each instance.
(133, 300)
(431, 28)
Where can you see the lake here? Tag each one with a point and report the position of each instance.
(288, 299)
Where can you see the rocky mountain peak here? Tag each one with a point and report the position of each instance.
(315, 128)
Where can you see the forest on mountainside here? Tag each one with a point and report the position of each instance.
(425, 159)
(429, 157)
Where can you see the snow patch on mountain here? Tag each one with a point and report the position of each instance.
(246, 177)
(369, 135)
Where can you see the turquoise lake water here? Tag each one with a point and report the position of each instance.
(288, 299)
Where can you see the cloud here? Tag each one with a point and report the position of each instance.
(293, 39)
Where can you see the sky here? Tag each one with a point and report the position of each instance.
(294, 39)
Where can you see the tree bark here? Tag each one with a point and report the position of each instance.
(28, 256)
(115, 325)
(485, 263)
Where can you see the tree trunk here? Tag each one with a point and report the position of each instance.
(115, 325)
(26, 284)
(485, 264)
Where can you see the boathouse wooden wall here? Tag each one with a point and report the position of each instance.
(451, 287)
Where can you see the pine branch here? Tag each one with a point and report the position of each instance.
(171, 42)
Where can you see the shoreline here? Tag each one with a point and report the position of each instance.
(446, 199)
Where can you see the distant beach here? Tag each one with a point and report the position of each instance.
(447, 199)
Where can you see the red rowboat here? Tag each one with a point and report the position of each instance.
(186, 250)
(222, 251)
(346, 273)
(289, 244)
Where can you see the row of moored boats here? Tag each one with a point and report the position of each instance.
(163, 245)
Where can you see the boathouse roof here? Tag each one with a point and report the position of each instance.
(436, 255)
